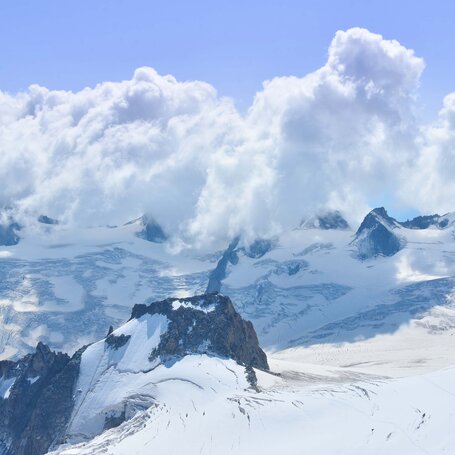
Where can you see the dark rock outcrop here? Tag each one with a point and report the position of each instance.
(151, 230)
(114, 420)
(377, 216)
(326, 221)
(425, 221)
(37, 405)
(37, 392)
(259, 248)
(207, 324)
(219, 273)
(255, 250)
(116, 341)
(332, 220)
(376, 237)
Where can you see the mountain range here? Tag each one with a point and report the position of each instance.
(112, 342)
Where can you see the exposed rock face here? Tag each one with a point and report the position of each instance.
(326, 221)
(205, 324)
(255, 250)
(116, 342)
(259, 248)
(332, 220)
(37, 392)
(424, 222)
(376, 237)
(377, 216)
(37, 400)
(219, 273)
(152, 231)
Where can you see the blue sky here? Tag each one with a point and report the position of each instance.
(233, 45)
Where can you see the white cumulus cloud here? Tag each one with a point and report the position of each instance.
(430, 183)
(333, 138)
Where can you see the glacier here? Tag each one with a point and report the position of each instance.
(359, 338)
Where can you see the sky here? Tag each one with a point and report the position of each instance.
(233, 45)
(225, 119)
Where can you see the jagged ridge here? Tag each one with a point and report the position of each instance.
(40, 393)
(206, 323)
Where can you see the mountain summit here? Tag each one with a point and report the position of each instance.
(150, 229)
(376, 236)
(328, 220)
(49, 398)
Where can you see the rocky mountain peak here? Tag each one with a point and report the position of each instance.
(326, 220)
(377, 216)
(207, 324)
(376, 236)
(42, 395)
(35, 400)
(426, 221)
(150, 229)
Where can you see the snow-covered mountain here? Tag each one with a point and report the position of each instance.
(50, 398)
(365, 312)
(305, 287)
(187, 375)
(326, 220)
(317, 411)
(377, 235)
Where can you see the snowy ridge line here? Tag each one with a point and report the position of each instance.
(110, 381)
(107, 271)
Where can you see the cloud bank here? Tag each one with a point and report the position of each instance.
(334, 138)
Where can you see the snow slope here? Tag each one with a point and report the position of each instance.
(173, 345)
(309, 293)
(362, 351)
(109, 377)
(203, 410)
